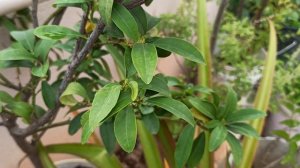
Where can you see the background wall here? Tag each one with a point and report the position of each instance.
(10, 153)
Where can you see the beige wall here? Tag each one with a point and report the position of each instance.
(10, 153)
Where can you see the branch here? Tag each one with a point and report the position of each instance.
(8, 83)
(34, 13)
(76, 60)
(217, 24)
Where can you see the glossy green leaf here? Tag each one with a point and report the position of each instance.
(108, 136)
(104, 101)
(15, 54)
(151, 122)
(54, 32)
(175, 107)
(40, 71)
(134, 89)
(73, 89)
(69, 1)
(5, 97)
(26, 38)
(158, 84)
(144, 58)
(217, 137)
(197, 151)
(236, 148)
(130, 70)
(140, 18)
(180, 47)
(184, 146)
(105, 9)
(150, 147)
(125, 21)
(146, 109)
(230, 103)
(204, 107)
(126, 129)
(49, 95)
(243, 129)
(92, 153)
(123, 101)
(245, 115)
(75, 124)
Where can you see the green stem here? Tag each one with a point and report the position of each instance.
(152, 155)
(204, 71)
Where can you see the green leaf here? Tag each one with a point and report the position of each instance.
(291, 123)
(180, 47)
(282, 134)
(5, 97)
(42, 49)
(217, 137)
(21, 109)
(144, 58)
(197, 151)
(15, 54)
(123, 101)
(125, 21)
(54, 32)
(44, 157)
(134, 89)
(26, 38)
(40, 71)
(151, 122)
(236, 148)
(130, 70)
(140, 18)
(105, 9)
(146, 109)
(184, 146)
(49, 95)
(204, 107)
(245, 115)
(108, 136)
(92, 153)
(213, 124)
(230, 103)
(290, 155)
(75, 125)
(118, 58)
(175, 107)
(158, 84)
(126, 129)
(104, 101)
(74, 88)
(70, 3)
(243, 129)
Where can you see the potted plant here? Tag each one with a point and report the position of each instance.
(177, 124)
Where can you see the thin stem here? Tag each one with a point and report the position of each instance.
(7, 83)
(58, 124)
(259, 12)
(53, 15)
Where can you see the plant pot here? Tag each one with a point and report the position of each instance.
(270, 152)
(74, 163)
